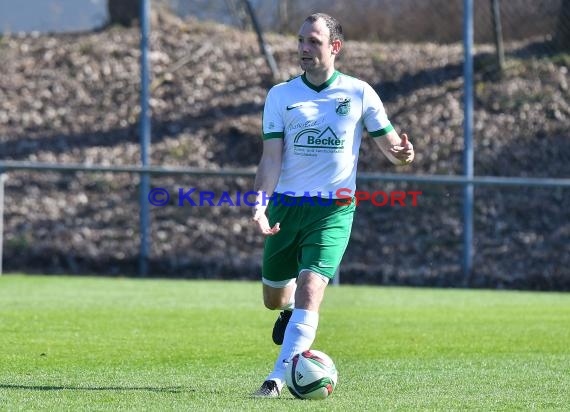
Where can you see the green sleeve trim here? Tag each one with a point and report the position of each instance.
(276, 135)
(382, 132)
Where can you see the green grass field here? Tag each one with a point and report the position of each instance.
(76, 343)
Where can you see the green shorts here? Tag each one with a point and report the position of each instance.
(314, 235)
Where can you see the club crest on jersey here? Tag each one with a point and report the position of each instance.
(342, 106)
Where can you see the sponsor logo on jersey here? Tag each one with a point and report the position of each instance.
(309, 142)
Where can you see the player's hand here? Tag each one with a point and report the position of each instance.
(404, 152)
(260, 218)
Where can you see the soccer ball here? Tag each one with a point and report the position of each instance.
(311, 375)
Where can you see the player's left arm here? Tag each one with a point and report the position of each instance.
(399, 150)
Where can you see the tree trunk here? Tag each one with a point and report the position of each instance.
(498, 32)
(563, 29)
(283, 15)
(124, 12)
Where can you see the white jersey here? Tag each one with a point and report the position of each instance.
(322, 128)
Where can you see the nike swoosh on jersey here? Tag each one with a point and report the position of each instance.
(294, 106)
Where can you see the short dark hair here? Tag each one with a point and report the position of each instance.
(334, 26)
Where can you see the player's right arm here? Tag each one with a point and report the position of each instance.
(269, 168)
(266, 179)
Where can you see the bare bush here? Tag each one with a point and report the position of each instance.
(437, 21)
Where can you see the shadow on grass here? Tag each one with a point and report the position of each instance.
(176, 389)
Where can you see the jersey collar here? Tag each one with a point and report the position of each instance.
(322, 86)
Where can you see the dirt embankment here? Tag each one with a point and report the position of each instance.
(74, 98)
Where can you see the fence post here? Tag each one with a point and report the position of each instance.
(144, 140)
(2, 180)
(468, 140)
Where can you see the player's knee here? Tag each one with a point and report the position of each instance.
(310, 290)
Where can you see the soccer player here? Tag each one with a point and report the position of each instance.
(312, 129)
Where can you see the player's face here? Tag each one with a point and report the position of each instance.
(316, 53)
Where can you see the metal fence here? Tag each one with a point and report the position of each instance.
(115, 253)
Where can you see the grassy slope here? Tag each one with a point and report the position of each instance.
(124, 344)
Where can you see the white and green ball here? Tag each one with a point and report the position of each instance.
(311, 375)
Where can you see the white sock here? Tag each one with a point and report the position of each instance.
(299, 336)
